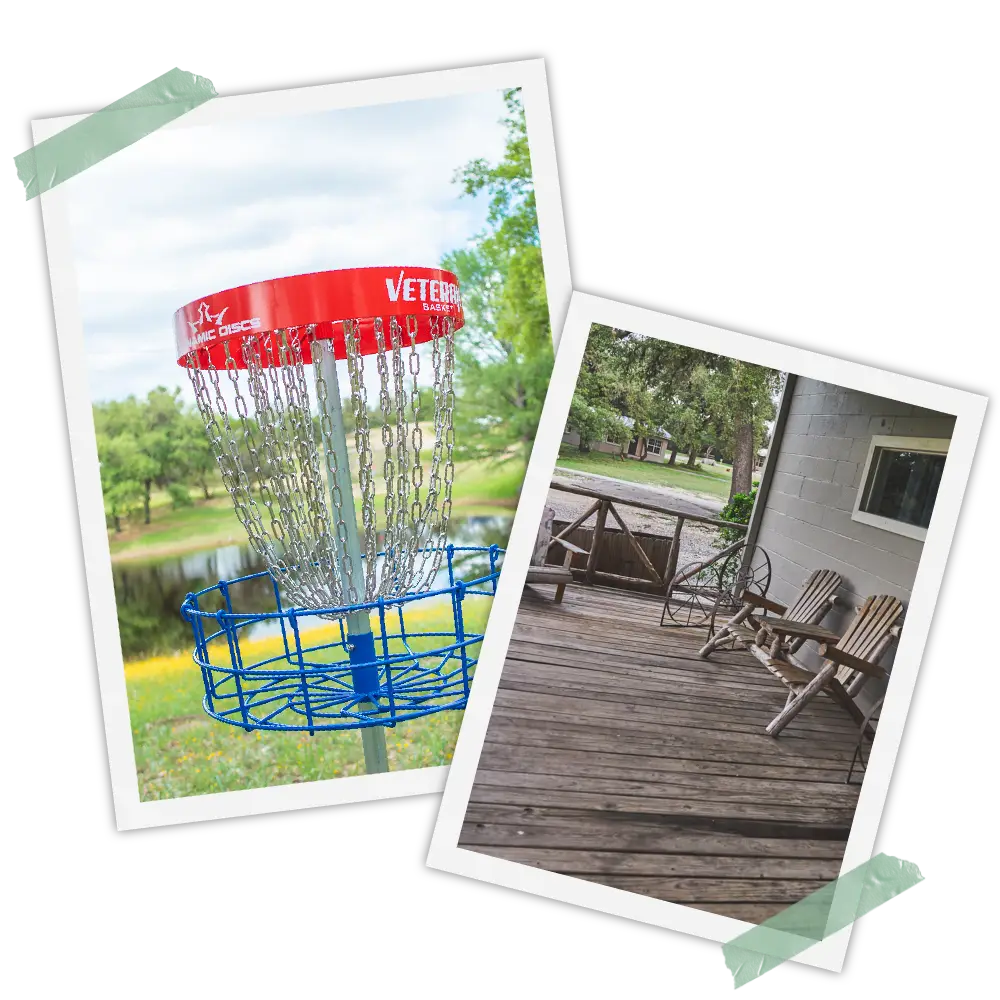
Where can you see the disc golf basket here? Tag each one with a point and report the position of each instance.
(263, 362)
(701, 592)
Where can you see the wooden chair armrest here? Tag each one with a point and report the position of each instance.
(850, 660)
(569, 545)
(800, 630)
(756, 601)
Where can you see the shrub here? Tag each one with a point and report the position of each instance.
(738, 511)
(180, 495)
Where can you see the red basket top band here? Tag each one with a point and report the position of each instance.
(323, 300)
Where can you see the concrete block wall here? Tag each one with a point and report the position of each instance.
(807, 522)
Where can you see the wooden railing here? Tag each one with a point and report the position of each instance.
(604, 505)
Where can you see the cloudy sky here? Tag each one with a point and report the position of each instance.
(188, 212)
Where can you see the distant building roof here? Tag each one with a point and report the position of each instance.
(660, 431)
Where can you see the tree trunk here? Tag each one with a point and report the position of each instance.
(742, 461)
(673, 454)
(692, 457)
(118, 523)
(145, 500)
(205, 489)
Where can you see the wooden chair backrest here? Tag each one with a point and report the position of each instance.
(544, 537)
(867, 637)
(813, 601)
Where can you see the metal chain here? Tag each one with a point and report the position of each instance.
(348, 571)
(390, 564)
(444, 432)
(434, 529)
(417, 439)
(280, 466)
(363, 446)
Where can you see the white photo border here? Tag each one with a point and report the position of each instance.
(130, 812)
(584, 311)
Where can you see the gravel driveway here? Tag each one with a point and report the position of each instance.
(698, 541)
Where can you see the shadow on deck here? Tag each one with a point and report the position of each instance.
(615, 754)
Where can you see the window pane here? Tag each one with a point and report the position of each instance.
(902, 485)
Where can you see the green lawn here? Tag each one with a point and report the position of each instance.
(479, 486)
(712, 480)
(181, 751)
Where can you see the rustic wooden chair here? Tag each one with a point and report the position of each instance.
(849, 659)
(750, 628)
(538, 571)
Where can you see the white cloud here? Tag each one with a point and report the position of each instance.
(188, 212)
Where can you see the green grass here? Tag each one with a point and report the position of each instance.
(479, 487)
(713, 483)
(180, 751)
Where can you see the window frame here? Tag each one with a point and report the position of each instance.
(659, 445)
(926, 445)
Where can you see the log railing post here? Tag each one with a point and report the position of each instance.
(675, 549)
(595, 548)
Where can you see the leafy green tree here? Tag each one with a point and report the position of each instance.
(504, 353)
(741, 398)
(141, 444)
(123, 467)
(161, 440)
(689, 418)
(597, 423)
(738, 510)
(200, 466)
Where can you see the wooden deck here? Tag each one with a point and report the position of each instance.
(615, 754)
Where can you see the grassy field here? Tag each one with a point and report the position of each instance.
(180, 751)
(712, 480)
(209, 523)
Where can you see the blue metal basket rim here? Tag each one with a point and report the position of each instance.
(466, 587)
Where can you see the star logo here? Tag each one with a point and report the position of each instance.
(204, 316)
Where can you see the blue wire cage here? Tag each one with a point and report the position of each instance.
(317, 681)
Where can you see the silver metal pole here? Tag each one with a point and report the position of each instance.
(358, 625)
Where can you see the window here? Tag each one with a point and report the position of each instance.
(653, 445)
(900, 484)
(610, 439)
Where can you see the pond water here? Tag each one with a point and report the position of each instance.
(149, 594)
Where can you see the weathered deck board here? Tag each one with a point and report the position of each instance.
(616, 755)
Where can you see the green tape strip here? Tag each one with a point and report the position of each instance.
(111, 129)
(822, 913)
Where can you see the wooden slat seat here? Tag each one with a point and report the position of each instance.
(549, 574)
(788, 672)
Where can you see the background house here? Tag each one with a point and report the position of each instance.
(657, 448)
(849, 483)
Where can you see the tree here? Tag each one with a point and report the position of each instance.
(161, 440)
(660, 385)
(198, 454)
(741, 396)
(704, 400)
(123, 467)
(597, 423)
(504, 354)
(689, 416)
(141, 443)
